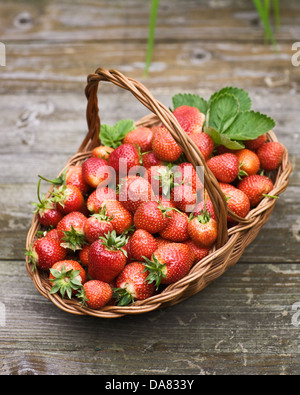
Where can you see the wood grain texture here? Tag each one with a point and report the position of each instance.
(238, 324)
(181, 65)
(245, 322)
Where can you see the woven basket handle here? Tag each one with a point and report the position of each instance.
(170, 122)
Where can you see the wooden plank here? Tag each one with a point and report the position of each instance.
(241, 333)
(247, 321)
(56, 123)
(269, 246)
(128, 20)
(50, 67)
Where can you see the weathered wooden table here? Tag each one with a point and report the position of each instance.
(247, 321)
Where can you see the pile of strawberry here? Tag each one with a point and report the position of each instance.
(135, 216)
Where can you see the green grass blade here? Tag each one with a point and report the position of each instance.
(267, 16)
(151, 34)
(263, 13)
(276, 7)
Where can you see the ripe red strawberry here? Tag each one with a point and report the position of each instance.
(152, 216)
(185, 173)
(164, 146)
(177, 227)
(161, 241)
(204, 142)
(134, 191)
(67, 276)
(71, 230)
(53, 233)
(97, 197)
(256, 187)
(225, 167)
(200, 208)
(102, 152)
(203, 230)
(161, 178)
(199, 252)
(132, 284)
(270, 155)
(95, 294)
(107, 257)
(149, 159)
(221, 149)
(47, 214)
(142, 244)
(169, 263)
(237, 200)
(128, 249)
(96, 172)
(74, 176)
(122, 219)
(84, 255)
(249, 162)
(184, 197)
(44, 252)
(124, 158)
(141, 136)
(189, 118)
(256, 143)
(97, 225)
(68, 198)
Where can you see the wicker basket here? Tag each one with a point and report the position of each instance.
(230, 243)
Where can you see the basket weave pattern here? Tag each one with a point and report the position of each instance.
(230, 243)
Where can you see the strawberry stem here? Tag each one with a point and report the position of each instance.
(113, 242)
(270, 196)
(73, 239)
(58, 180)
(42, 204)
(82, 296)
(33, 257)
(123, 296)
(242, 173)
(165, 210)
(156, 270)
(204, 216)
(65, 281)
(38, 191)
(102, 215)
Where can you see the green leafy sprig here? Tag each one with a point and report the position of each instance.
(151, 34)
(264, 8)
(112, 136)
(229, 119)
(65, 281)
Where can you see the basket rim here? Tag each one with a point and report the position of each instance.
(230, 244)
(203, 270)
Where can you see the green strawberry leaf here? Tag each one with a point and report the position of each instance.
(156, 270)
(189, 99)
(112, 136)
(73, 240)
(222, 112)
(222, 139)
(123, 296)
(229, 119)
(65, 281)
(240, 94)
(249, 125)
